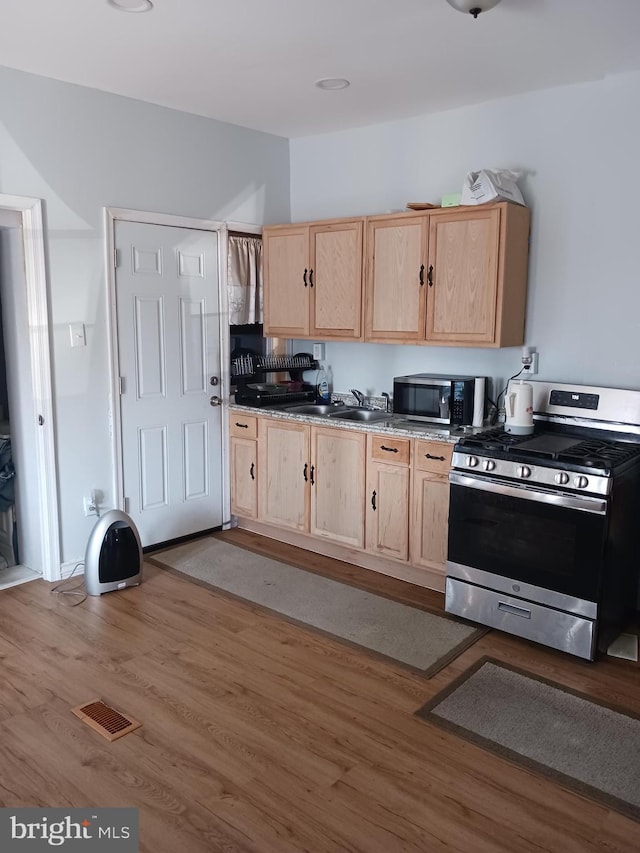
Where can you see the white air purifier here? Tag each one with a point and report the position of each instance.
(113, 559)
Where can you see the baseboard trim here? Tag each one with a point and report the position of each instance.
(418, 576)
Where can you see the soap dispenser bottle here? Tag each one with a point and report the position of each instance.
(323, 394)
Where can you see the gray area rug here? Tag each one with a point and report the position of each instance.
(416, 638)
(586, 746)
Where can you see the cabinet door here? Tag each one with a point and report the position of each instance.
(335, 279)
(395, 290)
(283, 471)
(286, 281)
(463, 276)
(337, 487)
(244, 482)
(388, 510)
(429, 520)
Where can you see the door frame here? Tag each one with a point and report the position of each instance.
(30, 210)
(111, 216)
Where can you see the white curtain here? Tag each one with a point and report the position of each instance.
(244, 275)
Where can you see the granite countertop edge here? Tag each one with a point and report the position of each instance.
(390, 426)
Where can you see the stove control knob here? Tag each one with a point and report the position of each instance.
(581, 482)
(488, 464)
(471, 461)
(562, 478)
(523, 471)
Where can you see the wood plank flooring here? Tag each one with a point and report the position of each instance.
(259, 735)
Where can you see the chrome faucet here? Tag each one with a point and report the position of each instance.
(358, 395)
(387, 400)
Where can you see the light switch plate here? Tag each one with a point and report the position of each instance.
(318, 352)
(77, 335)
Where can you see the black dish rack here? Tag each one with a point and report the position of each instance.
(249, 372)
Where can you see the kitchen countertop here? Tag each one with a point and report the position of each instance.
(393, 425)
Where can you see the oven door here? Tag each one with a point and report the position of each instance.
(531, 536)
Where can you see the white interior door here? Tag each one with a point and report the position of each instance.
(168, 326)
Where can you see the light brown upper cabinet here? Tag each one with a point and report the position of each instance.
(313, 280)
(452, 277)
(396, 263)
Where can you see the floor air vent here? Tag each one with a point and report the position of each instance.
(105, 720)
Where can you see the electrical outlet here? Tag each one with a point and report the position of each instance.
(532, 369)
(318, 352)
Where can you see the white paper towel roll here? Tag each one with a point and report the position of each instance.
(478, 402)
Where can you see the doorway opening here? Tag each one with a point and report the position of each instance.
(11, 571)
(29, 524)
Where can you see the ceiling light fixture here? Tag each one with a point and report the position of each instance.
(473, 7)
(332, 83)
(131, 5)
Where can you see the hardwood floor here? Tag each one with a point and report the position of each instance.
(259, 735)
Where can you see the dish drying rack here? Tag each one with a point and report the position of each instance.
(248, 373)
(250, 365)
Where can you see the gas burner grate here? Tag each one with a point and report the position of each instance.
(599, 453)
(493, 439)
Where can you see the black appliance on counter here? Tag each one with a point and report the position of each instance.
(543, 528)
(249, 374)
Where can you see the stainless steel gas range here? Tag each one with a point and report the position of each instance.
(544, 529)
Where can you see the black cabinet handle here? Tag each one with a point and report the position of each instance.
(304, 472)
(304, 278)
(421, 275)
(242, 426)
(251, 471)
(389, 449)
(310, 278)
(439, 458)
(373, 500)
(430, 276)
(312, 480)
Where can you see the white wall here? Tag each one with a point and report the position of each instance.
(578, 147)
(81, 150)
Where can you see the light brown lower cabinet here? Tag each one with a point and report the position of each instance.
(312, 480)
(430, 504)
(384, 496)
(388, 481)
(283, 473)
(337, 485)
(244, 466)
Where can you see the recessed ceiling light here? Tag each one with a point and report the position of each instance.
(132, 5)
(332, 83)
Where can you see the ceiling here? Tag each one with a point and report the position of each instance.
(254, 62)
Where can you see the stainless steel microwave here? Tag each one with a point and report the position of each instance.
(440, 398)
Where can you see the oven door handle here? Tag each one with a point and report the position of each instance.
(582, 503)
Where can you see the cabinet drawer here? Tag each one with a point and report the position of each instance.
(395, 451)
(434, 456)
(243, 426)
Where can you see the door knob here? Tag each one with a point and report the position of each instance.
(214, 401)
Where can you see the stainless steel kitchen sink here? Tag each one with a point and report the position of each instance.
(311, 409)
(363, 415)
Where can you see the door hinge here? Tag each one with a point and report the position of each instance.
(121, 384)
(115, 259)
(126, 505)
